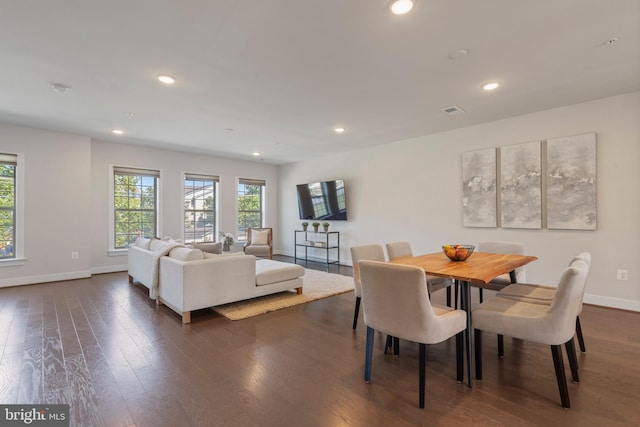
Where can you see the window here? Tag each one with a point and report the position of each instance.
(200, 207)
(8, 163)
(250, 205)
(135, 205)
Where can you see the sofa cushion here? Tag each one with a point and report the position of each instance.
(259, 237)
(212, 248)
(186, 254)
(143, 242)
(268, 271)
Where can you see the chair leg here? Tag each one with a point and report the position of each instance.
(423, 363)
(481, 293)
(356, 312)
(368, 354)
(478, 351)
(448, 296)
(580, 337)
(501, 346)
(573, 360)
(556, 352)
(388, 344)
(396, 346)
(460, 356)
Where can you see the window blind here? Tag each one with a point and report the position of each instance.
(8, 159)
(117, 170)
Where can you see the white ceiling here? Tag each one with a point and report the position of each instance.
(283, 73)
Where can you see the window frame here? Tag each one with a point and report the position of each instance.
(215, 180)
(262, 200)
(131, 171)
(11, 160)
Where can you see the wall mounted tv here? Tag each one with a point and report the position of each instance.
(322, 201)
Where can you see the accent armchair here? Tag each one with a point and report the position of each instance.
(259, 242)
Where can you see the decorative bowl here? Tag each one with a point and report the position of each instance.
(458, 252)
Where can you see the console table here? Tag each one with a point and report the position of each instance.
(323, 240)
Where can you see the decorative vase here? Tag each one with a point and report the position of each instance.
(315, 228)
(304, 227)
(226, 247)
(326, 228)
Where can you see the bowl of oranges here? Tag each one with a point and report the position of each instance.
(458, 252)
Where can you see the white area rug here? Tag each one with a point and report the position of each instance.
(315, 285)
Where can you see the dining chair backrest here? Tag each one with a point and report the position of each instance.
(395, 301)
(398, 249)
(364, 252)
(586, 257)
(567, 301)
(502, 247)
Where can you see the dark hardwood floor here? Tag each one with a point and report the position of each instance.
(105, 348)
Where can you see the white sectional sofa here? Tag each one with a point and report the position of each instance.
(187, 279)
(188, 283)
(144, 261)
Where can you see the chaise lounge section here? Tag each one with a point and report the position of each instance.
(192, 280)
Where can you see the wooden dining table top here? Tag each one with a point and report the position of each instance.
(479, 267)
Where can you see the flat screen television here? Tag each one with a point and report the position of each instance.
(322, 201)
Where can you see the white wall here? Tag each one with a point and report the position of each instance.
(411, 190)
(172, 166)
(67, 199)
(56, 214)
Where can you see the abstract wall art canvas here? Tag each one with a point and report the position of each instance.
(479, 188)
(520, 186)
(571, 182)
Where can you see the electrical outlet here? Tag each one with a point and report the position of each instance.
(623, 274)
(75, 255)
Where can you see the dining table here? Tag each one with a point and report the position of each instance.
(477, 270)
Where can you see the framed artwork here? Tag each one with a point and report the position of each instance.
(571, 182)
(521, 186)
(479, 188)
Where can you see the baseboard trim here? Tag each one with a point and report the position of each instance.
(623, 304)
(31, 280)
(109, 269)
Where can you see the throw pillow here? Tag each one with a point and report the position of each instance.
(186, 254)
(259, 237)
(143, 243)
(212, 248)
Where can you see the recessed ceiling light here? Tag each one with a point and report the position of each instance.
(400, 7)
(338, 130)
(611, 41)
(59, 87)
(166, 79)
(457, 54)
(255, 153)
(117, 131)
(491, 86)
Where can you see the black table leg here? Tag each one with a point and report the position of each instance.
(465, 304)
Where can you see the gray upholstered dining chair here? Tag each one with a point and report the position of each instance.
(501, 247)
(434, 283)
(498, 283)
(395, 301)
(553, 324)
(541, 294)
(358, 253)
